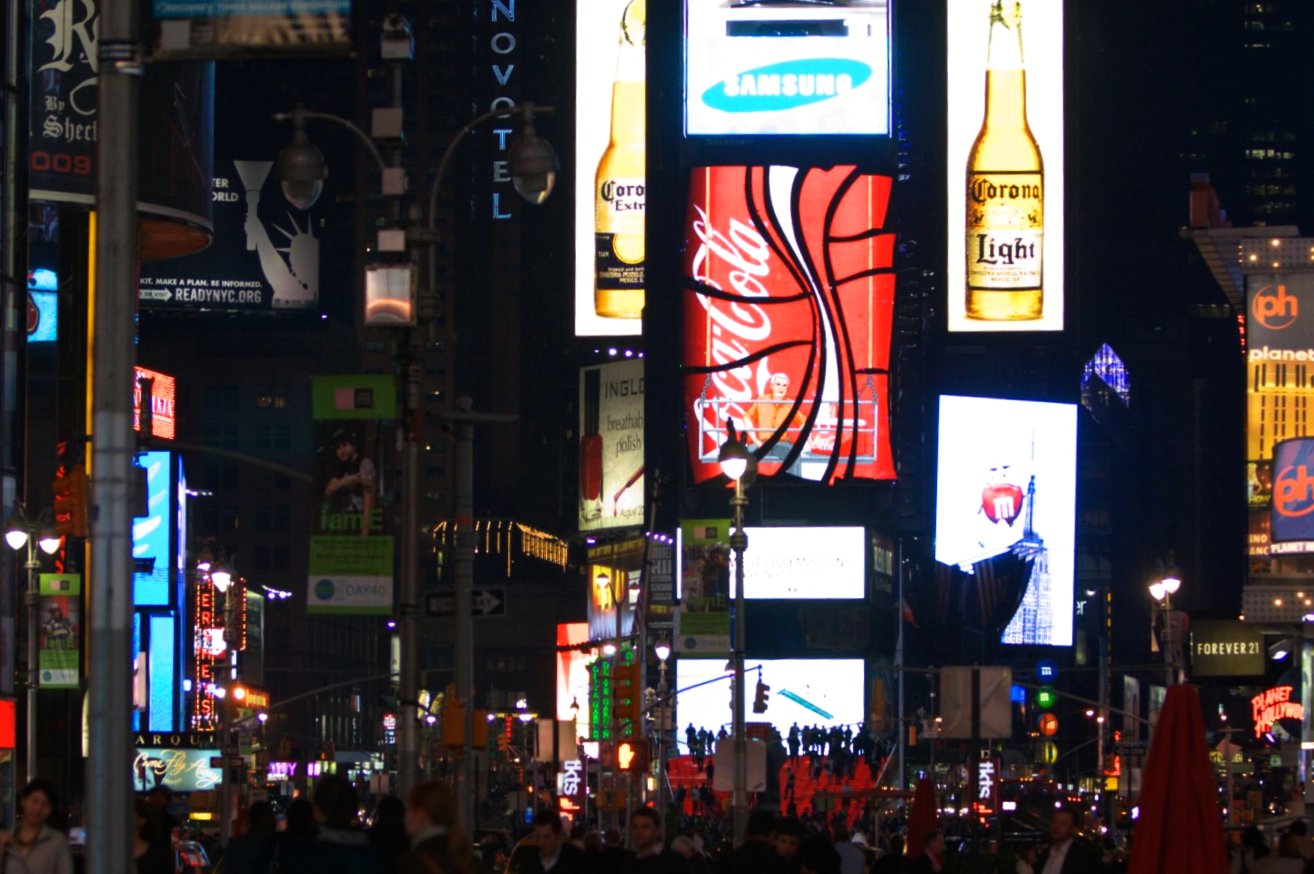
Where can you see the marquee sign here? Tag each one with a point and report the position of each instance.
(789, 297)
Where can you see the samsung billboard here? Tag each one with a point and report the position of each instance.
(807, 692)
(1004, 122)
(797, 68)
(1006, 495)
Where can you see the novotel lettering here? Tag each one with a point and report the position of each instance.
(1273, 704)
(503, 46)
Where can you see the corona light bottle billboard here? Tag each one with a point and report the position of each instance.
(1007, 275)
(619, 192)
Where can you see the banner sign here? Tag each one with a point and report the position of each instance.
(789, 297)
(351, 547)
(791, 68)
(59, 630)
(611, 484)
(614, 570)
(702, 621)
(1226, 648)
(264, 256)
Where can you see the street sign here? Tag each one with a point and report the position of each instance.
(1047, 670)
(484, 602)
(1131, 748)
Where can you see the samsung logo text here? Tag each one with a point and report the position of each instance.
(787, 85)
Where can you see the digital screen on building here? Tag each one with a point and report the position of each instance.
(788, 306)
(1279, 367)
(1292, 502)
(164, 394)
(610, 190)
(151, 559)
(787, 68)
(820, 692)
(611, 483)
(1005, 166)
(1006, 495)
(42, 317)
(788, 563)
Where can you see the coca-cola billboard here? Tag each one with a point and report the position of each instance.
(789, 297)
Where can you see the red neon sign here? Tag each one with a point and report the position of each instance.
(164, 393)
(1273, 704)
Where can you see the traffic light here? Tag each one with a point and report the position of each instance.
(631, 755)
(453, 723)
(70, 502)
(627, 699)
(760, 698)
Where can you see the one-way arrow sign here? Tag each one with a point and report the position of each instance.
(485, 602)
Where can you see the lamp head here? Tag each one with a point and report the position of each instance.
(1169, 575)
(16, 526)
(737, 462)
(49, 539)
(300, 166)
(532, 161)
(1157, 590)
(662, 651)
(221, 578)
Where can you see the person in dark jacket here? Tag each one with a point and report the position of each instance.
(650, 855)
(756, 855)
(547, 851)
(438, 844)
(339, 846)
(253, 850)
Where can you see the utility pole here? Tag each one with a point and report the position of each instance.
(109, 786)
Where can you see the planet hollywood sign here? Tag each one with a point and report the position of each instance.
(1273, 704)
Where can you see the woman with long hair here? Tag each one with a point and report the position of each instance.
(438, 844)
(36, 847)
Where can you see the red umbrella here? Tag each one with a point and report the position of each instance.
(1181, 824)
(923, 818)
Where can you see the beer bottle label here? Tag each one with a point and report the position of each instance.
(1005, 230)
(619, 238)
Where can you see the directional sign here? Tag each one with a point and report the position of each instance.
(485, 602)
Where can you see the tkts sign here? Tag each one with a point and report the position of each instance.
(789, 296)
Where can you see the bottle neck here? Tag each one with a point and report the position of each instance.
(1006, 78)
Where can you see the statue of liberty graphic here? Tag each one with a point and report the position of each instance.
(293, 271)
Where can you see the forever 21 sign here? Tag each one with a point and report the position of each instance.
(1226, 648)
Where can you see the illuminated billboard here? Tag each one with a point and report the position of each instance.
(1005, 165)
(1006, 503)
(820, 692)
(1279, 357)
(1292, 530)
(788, 304)
(787, 68)
(792, 563)
(610, 196)
(164, 394)
(611, 484)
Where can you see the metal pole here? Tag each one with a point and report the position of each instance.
(662, 705)
(408, 620)
(30, 601)
(463, 576)
(901, 729)
(109, 784)
(228, 746)
(1168, 637)
(739, 543)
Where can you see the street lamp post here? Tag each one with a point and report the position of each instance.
(22, 532)
(532, 165)
(662, 649)
(1162, 590)
(740, 465)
